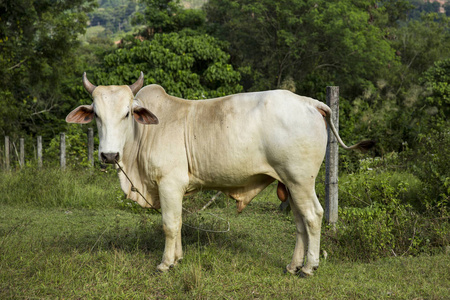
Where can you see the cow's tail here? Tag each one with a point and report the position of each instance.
(362, 146)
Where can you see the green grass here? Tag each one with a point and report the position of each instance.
(99, 247)
(54, 188)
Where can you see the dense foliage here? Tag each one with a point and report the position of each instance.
(186, 65)
(38, 63)
(114, 15)
(390, 59)
(314, 43)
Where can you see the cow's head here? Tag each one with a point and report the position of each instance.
(115, 111)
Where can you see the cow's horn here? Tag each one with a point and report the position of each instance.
(87, 84)
(135, 87)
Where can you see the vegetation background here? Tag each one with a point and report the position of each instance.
(391, 60)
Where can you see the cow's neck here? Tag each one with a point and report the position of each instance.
(129, 162)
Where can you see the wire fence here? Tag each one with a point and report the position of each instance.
(14, 156)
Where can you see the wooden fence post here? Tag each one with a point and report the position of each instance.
(22, 152)
(7, 153)
(331, 169)
(91, 146)
(39, 151)
(62, 147)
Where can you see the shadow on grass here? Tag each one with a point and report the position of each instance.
(144, 235)
(111, 237)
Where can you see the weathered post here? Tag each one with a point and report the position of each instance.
(331, 169)
(39, 151)
(22, 152)
(62, 148)
(7, 153)
(91, 146)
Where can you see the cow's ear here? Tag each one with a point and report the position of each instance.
(81, 115)
(144, 116)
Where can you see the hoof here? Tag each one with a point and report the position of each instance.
(160, 271)
(304, 272)
(291, 271)
(157, 273)
(163, 268)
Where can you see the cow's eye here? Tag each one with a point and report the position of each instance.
(95, 114)
(128, 113)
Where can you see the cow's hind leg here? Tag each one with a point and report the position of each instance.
(308, 219)
(301, 243)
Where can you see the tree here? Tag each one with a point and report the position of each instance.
(396, 11)
(436, 103)
(186, 64)
(419, 44)
(165, 16)
(315, 43)
(37, 44)
(412, 99)
(114, 16)
(175, 53)
(421, 6)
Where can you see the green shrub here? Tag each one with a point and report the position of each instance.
(76, 148)
(430, 162)
(366, 232)
(370, 185)
(380, 230)
(376, 217)
(388, 209)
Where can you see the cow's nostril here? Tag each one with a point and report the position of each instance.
(110, 158)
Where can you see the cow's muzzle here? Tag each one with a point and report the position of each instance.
(109, 158)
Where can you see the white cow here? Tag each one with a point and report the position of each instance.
(237, 144)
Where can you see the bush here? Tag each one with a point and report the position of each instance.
(375, 213)
(366, 232)
(379, 230)
(76, 148)
(430, 162)
(372, 183)
(384, 212)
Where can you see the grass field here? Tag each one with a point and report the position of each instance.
(104, 249)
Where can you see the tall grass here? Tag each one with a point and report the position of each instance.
(52, 187)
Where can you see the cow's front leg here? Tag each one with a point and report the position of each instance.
(171, 207)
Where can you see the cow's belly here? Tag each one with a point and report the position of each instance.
(242, 191)
(231, 169)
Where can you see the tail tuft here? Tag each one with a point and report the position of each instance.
(364, 145)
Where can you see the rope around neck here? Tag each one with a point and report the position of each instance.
(135, 189)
